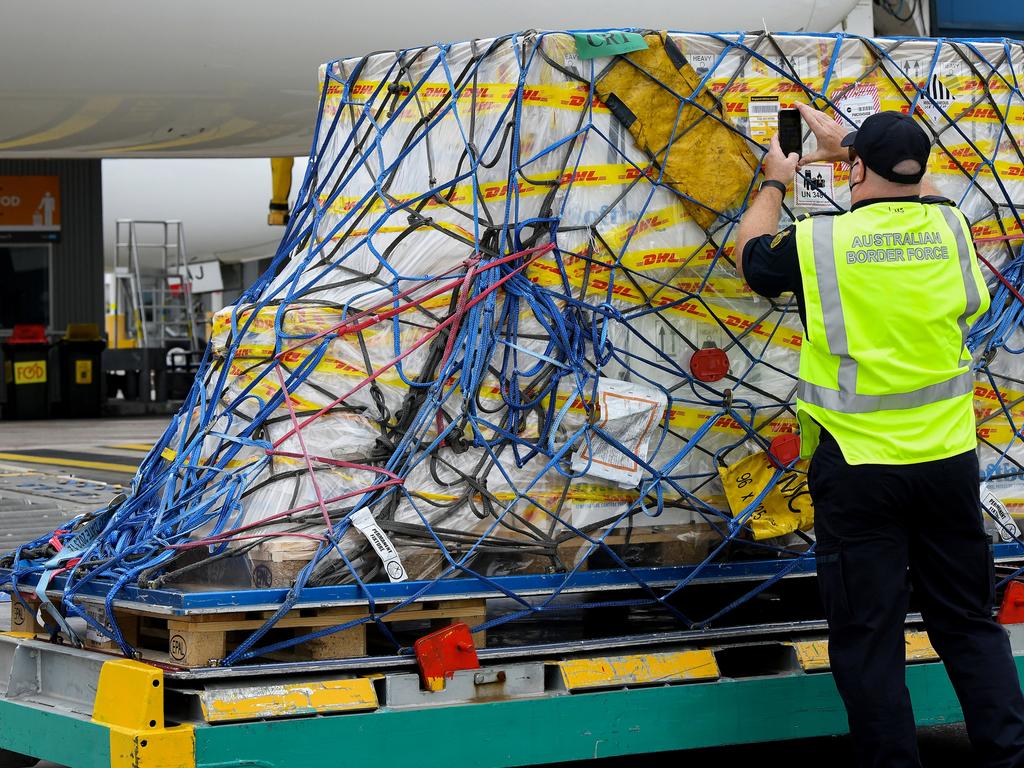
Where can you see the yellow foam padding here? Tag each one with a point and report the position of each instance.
(322, 697)
(642, 669)
(699, 153)
(130, 702)
(812, 655)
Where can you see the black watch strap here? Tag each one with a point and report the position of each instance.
(774, 185)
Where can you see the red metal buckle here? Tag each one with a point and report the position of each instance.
(440, 654)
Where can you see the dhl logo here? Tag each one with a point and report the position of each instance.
(580, 100)
(984, 229)
(590, 175)
(632, 173)
(662, 257)
(984, 113)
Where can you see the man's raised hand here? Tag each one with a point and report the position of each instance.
(829, 135)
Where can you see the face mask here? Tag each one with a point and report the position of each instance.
(853, 184)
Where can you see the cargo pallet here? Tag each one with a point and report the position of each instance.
(524, 705)
(86, 709)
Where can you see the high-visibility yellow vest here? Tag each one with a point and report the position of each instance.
(890, 291)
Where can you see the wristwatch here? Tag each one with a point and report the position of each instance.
(774, 185)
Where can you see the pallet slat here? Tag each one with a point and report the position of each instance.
(202, 639)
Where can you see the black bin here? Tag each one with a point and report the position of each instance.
(26, 372)
(80, 353)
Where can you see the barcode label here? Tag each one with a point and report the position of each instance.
(763, 117)
(764, 106)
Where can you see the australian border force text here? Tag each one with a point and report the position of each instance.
(897, 246)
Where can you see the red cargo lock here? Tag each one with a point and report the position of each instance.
(440, 654)
(709, 364)
(784, 450)
(1012, 609)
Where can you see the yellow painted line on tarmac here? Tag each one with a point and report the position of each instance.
(130, 447)
(77, 463)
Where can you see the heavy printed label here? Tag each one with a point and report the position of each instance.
(1005, 525)
(381, 544)
(30, 372)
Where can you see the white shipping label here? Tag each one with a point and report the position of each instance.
(701, 62)
(814, 186)
(629, 414)
(1005, 525)
(763, 118)
(858, 104)
(937, 100)
(381, 544)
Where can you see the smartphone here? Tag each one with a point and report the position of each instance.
(790, 132)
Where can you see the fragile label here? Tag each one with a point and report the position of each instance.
(30, 372)
(381, 544)
(785, 508)
(1006, 526)
(591, 45)
(814, 186)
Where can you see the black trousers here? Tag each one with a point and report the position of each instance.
(881, 529)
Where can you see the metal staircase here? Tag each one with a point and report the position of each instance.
(151, 285)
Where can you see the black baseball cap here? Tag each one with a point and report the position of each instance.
(886, 139)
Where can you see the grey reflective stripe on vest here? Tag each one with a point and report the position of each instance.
(845, 402)
(831, 301)
(845, 399)
(964, 251)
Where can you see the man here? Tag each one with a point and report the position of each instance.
(887, 292)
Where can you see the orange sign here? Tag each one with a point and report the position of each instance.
(29, 208)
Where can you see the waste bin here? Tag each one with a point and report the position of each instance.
(80, 353)
(25, 372)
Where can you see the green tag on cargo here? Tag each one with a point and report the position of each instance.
(590, 45)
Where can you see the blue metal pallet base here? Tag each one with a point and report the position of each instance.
(183, 602)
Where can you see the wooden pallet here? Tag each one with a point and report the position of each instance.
(203, 639)
(276, 563)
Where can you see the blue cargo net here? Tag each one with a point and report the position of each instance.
(503, 341)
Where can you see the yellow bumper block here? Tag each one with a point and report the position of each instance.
(130, 702)
(289, 700)
(812, 655)
(642, 669)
